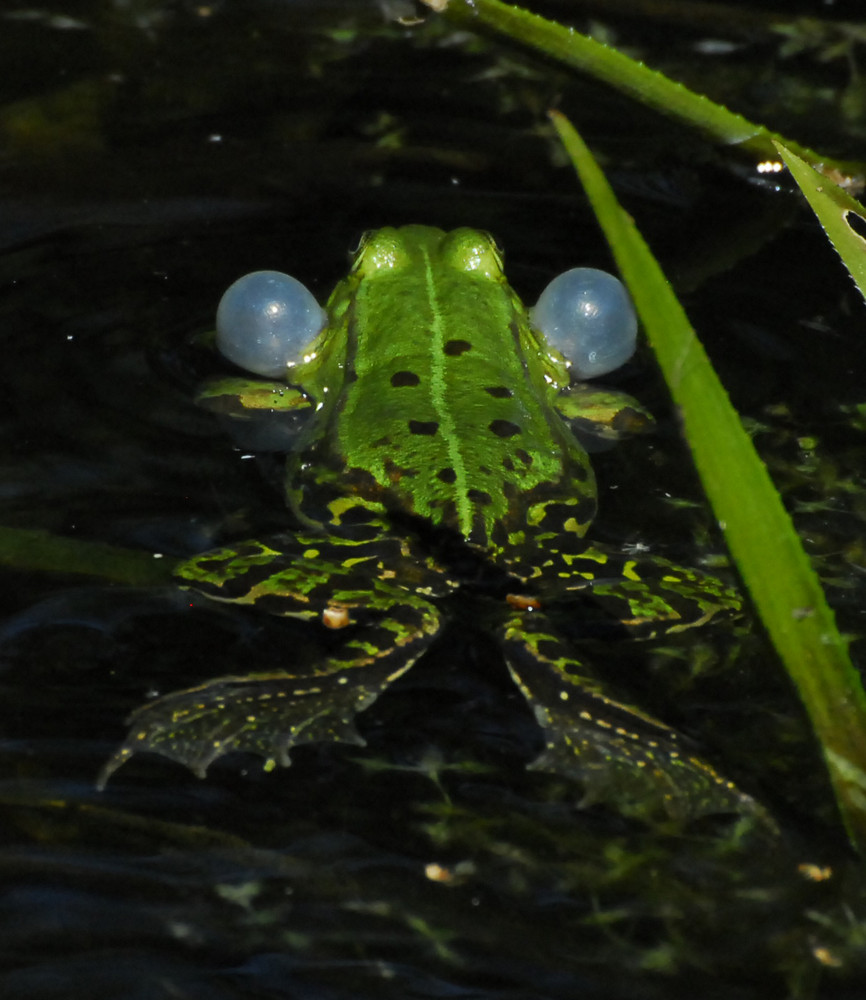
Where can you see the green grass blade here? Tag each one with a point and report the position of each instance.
(34, 551)
(832, 205)
(784, 588)
(629, 76)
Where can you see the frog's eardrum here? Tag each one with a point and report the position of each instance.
(265, 320)
(588, 316)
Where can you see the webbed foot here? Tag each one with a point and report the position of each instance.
(622, 756)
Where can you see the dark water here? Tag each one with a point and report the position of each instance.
(152, 153)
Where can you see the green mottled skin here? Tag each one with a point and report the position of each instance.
(432, 412)
(439, 455)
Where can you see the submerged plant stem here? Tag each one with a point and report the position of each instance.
(33, 550)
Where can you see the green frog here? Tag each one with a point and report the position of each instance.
(437, 467)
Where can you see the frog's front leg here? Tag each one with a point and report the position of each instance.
(344, 584)
(621, 755)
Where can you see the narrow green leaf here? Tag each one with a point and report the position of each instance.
(785, 590)
(633, 78)
(36, 551)
(832, 205)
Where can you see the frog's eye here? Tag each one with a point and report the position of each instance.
(381, 251)
(588, 316)
(472, 251)
(265, 320)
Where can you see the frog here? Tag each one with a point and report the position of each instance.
(437, 462)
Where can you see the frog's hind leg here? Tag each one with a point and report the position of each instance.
(646, 596)
(389, 623)
(622, 756)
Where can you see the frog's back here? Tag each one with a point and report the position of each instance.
(444, 413)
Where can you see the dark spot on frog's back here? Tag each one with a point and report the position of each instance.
(479, 497)
(499, 391)
(504, 428)
(557, 514)
(425, 427)
(402, 379)
(357, 516)
(454, 348)
(446, 476)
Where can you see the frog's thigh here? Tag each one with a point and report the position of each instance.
(649, 596)
(301, 576)
(373, 586)
(621, 755)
